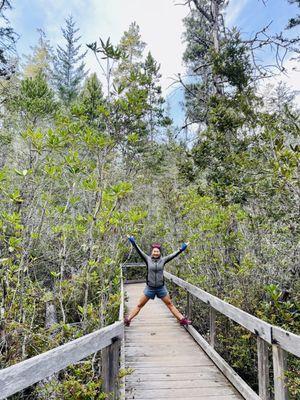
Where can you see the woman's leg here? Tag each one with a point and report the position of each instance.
(167, 300)
(142, 301)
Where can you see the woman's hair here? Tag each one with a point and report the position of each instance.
(156, 245)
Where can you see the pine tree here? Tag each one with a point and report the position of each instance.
(91, 98)
(41, 58)
(156, 115)
(132, 45)
(68, 64)
(8, 39)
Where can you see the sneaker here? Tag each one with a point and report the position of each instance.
(126, 321)
(185, 321)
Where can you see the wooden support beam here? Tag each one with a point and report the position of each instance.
(263, 369)
(110, 368)
(212, 326)
(279, 366)
(188, 305)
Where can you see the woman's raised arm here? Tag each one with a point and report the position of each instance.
(138, 249)
(170, 257)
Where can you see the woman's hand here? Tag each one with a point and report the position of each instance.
(184, 246)
(131, 239)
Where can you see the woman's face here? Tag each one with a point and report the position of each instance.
(155, 252)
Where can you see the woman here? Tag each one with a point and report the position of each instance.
(155, 282)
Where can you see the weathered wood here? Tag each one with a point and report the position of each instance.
(26, 373)
(286, 340)
(186, 393)
(207, 373)
(122, 343)
(110, 369)
(166, 360)
(265, 333)
(190, 383)
(248, 321)
(263, 369)
(188, 305)
(135, 281)
(132, 265)
(279, 367)
(212, 326)
(226, 369)
(121, 309)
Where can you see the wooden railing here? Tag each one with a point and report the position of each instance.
(108, 339)
(281, 341)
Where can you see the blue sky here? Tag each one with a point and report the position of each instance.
(160, 22)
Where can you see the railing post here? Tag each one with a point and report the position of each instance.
(263, 368)
(110, 368)
(188, 305)
(124, 271)
(212, 326)
(279, 366)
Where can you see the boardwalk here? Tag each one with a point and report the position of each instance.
(167, 362)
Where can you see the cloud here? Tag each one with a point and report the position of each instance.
(234, 10)
(291, 78)
(160, 24)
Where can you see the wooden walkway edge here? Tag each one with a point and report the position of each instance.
(167, 362)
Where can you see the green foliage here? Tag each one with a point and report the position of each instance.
(35, 100)
(68, 71)
(232, 63)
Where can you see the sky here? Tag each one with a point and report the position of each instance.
(160, 24)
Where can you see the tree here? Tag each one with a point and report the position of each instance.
(131, 47)
(8, 39)
(34, 101)
(41, 58)
(69, 67)
(293, 22)
(90, 101)
(156, 114)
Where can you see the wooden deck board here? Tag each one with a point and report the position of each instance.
(167, 362)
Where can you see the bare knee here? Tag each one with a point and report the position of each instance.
(140, 305)
(169, 303)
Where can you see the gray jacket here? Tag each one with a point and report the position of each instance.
(155, 266)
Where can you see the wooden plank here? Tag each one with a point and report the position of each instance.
(172, 369)
(165, 359)
(167, 363)
(263, 369)
(174, 393)
(26, 373)
(248, 321)
(279, 367)
(212, 326)
(188, 305)
(122, 343)
(173, 384)
(110, 369)
(226, 369)
(286, 340)
(197, 397)
(132, 265)
(121, 309)
(210, 374)
(135, 280)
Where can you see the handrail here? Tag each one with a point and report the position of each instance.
(281, 341)
(28, 372)
(272, 334)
